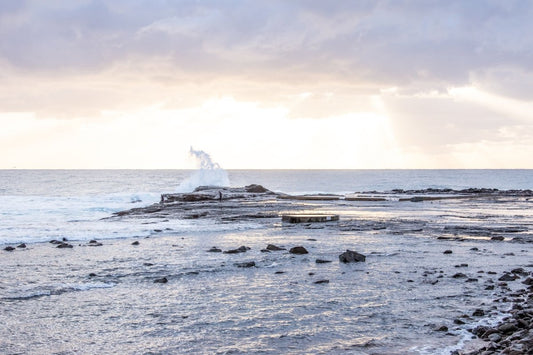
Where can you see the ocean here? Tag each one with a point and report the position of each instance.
(104, 299)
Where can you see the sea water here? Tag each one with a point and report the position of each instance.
(104, 299)
(38, 205)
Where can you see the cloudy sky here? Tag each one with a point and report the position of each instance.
(266, 83)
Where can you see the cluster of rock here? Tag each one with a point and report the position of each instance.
(471, 191)
(11, 248)
(514, 334)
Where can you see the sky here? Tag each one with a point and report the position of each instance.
(265, 84)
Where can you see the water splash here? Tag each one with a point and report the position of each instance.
(209, 173)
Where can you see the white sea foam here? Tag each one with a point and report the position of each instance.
(209, 173)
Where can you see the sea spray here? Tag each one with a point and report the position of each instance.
(209, 173)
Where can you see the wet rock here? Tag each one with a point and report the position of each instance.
(241, 249)
(265, 251)
(246, 264)
(489, 287)
(94, 243)
(215, 250)
(135, 243)
(474, 249)
(92, 274)
(273, 247)
(528, 281)
(441, 328)
(458, 321)
(519, 271)
(321, 261)
(462, 265)
(279, 272)
(54, 241)
(459, 275)
(494, 337)
(21, 246)
(350, 256)
(447, 252)
(162, 280)
(148, 264)
(253, 188)
(299, 250)
(507, 328)
(322, 282)
(9, 248)
(478, 313)
(508, 277)
(497, 238)
(64, 245)
(472, 280)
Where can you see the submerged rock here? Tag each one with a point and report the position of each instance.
(322, 261)
(246, 264)
(162, 280)
(350, 256)
(241, 249)
(299, 250)
(322, 282)
(273, 247)
(64, 245)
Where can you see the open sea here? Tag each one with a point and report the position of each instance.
(104, 301)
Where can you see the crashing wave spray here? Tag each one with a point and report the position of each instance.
(208, 174)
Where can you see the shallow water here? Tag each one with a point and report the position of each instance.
(389, 304)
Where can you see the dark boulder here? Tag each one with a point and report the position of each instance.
(459, 275)
(21, 246)
(350, 256)
(299, 250)
(478, 313)
(94, 243)
(9, 248)
(273, 247)
(64, 245)
(135, 243)
(215, 250)
(447, 252)
(497, 238)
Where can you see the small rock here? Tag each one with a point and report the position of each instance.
(322, 282)
(478, 313)
(21, 246)
(273, 247)
(299, 250)
(92, 274)
(148, 264)
(528, 281)
(279, 272)
(472, 280)
(135, 243)
(508, 277)
(497, 238)
(246, 264)
(158, 230)
(54, 241)
(94, 243)
(9, 248)
(448, 252)
(462, 265)
(459, 275)
(474, 249)
(507, 328)
(162, 280)
(265, 251)
(350, 256)
(215, 250)
(241, 249)
(494, 337)
(321, 261)
(64, 245)
(458, 322)
(441, 328)
(489, 287)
